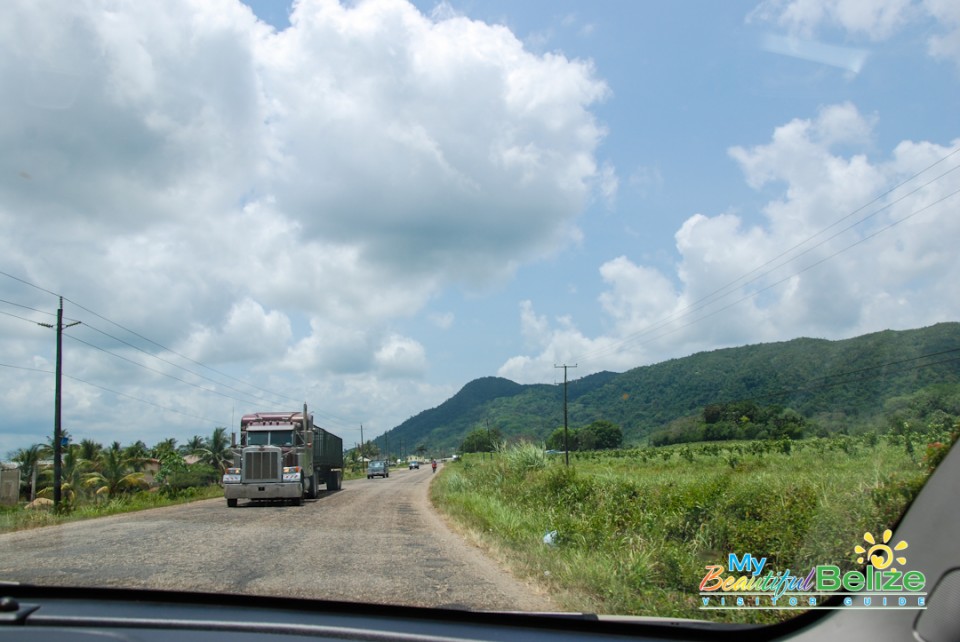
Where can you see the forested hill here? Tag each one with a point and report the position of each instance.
(490, 401)
(834, 384)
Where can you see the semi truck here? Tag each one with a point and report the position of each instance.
(283, 456)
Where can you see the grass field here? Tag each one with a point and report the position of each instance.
(635, 529)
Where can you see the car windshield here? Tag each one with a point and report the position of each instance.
(661, 294)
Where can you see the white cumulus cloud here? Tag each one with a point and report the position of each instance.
(842, 250)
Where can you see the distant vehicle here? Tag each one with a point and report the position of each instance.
(378, 469)
(414, 465)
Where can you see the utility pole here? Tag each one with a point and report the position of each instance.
(361, 444)
(566, 446)
(57, 431)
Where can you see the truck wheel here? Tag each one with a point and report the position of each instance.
(333, 480)
(314, 487)
(232, 503)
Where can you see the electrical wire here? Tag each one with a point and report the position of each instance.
(148, 340)
(115, 392)
(27, 307)
(251, 400)
(193, 361)
(723, 291)
(159, 372)
(170, 363)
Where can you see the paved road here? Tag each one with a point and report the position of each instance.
(374, 541)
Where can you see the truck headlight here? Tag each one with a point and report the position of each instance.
(291, 473)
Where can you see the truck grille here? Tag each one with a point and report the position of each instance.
(259, 465)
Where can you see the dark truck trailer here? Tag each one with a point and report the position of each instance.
(285, 456)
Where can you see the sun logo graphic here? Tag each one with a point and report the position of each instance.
(880, 555)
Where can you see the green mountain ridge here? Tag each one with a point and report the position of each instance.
(839, 383)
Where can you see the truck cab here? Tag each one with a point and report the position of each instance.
(378, 468)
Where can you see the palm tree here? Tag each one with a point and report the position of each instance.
(164, 448)
(90, 450)
(136, 455)
(113, 474)
(72, 480)
(193, 446)
(29, 459)
(216, 449)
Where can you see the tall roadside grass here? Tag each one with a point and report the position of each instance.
(17, 518)
(635, 529)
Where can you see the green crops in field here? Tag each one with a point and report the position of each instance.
(635, 529)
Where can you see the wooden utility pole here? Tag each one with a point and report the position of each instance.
(57, 430)
(566, 445)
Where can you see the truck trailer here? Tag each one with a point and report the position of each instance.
(283, 456)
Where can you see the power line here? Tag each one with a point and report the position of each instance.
(148, 340)
(168, 362)
(245, 401)
(115, 392)
(160, 372)
(27, 307)
(249, 399)
(15, 316)
(193, 361)
(693, 307)
(783, 280)
(25, 282)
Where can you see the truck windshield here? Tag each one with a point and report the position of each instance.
(270, 438)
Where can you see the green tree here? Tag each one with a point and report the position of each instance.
(600, 435)
(170, 464)
(163, 448)
(555, 440)
(136, 455)
(369, 450)
(193, 446)
(113, 475)
(481, 440)
(216, 450)
(29, 460)
(73, 475)
(89, 450)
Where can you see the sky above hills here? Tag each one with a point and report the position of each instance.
(366, 205)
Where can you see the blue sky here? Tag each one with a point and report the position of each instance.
(367, 205)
